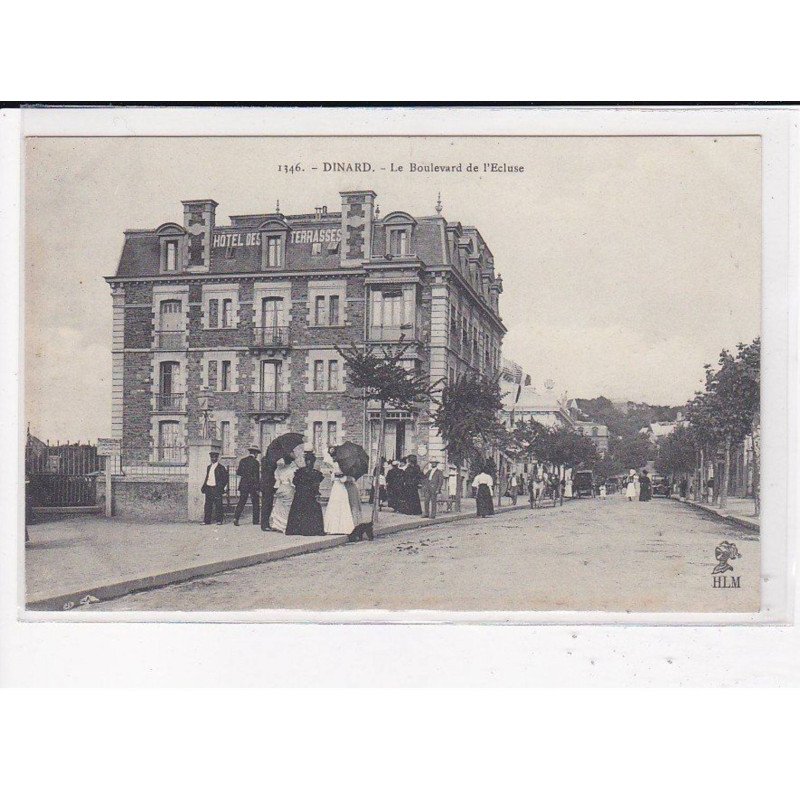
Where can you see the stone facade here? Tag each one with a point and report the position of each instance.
(240, 323)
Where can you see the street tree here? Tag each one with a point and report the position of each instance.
(382, 378)
(728, 409)
(630, 451)
(467, 416)
(677, 453)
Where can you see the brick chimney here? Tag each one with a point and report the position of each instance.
(198, 219)
(357, 215)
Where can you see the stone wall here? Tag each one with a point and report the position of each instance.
(157, 498)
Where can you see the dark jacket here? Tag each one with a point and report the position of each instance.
(267, 476)
(222, 479)
(433, 481)
(248, 472)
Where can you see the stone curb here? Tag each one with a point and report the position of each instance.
(111, 591)
(721, 514)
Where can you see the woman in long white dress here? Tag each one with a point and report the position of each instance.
(284, 494)
(632, 492)
(338, 513)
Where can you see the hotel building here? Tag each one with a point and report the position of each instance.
(236, 325)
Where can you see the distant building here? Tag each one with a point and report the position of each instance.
(597, 432)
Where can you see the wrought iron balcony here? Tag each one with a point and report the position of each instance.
(273, 336)
(391, 333)
(169, 340)
(266, 402)
(169, 402)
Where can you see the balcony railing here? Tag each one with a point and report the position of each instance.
(169, 340)
(169, 402)
(274, 336)
(263, 402)
(390, 333)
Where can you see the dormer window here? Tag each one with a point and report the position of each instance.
(171, 255)
(399, 241)
(274, 251)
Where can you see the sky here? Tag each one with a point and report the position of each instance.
(627, 262)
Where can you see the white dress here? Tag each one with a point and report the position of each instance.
(284, 494)
(338, 514)
(632, 491)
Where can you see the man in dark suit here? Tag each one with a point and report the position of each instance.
(214, 488)
(249, 484)
(432, 485)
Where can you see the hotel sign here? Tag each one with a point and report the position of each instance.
(255, 239)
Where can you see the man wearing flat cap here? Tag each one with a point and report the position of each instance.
(214, 488)
(249, 484)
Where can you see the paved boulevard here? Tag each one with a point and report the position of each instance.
(590, 554)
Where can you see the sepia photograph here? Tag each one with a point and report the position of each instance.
(392, 373)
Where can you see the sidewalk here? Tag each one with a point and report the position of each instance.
(70, 560)
(739, 510)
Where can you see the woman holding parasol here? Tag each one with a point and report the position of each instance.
(343, 515)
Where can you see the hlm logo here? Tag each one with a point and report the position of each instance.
(725, 552)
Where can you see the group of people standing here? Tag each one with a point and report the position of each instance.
(285, 496)
(407, 489)
(639, 486)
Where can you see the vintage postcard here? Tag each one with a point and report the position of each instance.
(394, 373)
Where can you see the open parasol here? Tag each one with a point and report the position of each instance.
(282, 446)
(352, 459)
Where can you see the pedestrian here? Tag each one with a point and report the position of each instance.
(452, 486)
(513, 488)
(284, 493)
(394, 479)
(305, 515)
(249, 484)
(213, 488)
(483, 484)
(434, 478)
(602, 491)
(645, 487)
(632, 490)
(684, 488)
(412, 481)
(267, 477)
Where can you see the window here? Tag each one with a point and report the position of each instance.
(333, 309)
(168, 443)
(267, 431)
(225, 377)
(332, 434)
(398, 242)
(225, 436)
(392, 312)
(317, 437)
(227, 313)
(170, 325)
(452, 376)
(333, 376)
(171, 256)
(274, 254)
(213, 313)
(168, 378)
(319, 376)
(319, 311)
(212, 375)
